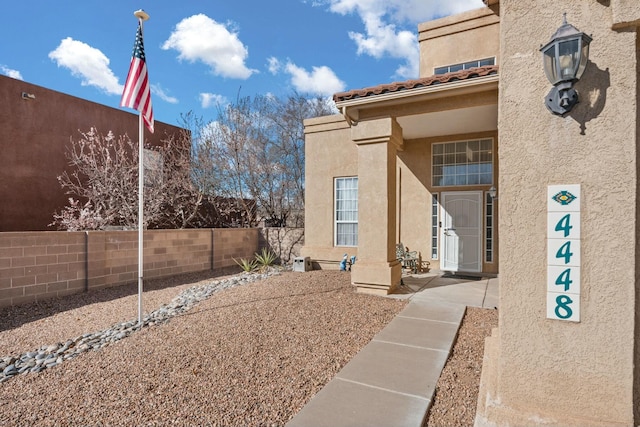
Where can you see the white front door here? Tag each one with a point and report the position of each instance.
(462, 231)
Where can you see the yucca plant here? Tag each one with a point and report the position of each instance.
(247, 265)
(265, 258)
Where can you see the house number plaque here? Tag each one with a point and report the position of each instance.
(563, 252)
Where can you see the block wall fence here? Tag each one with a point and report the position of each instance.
(39, 265)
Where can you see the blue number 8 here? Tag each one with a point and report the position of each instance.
(563, 302)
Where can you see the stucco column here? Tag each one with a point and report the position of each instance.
(377, 270)
(566, 352)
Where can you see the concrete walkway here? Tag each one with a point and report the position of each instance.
(391, 381)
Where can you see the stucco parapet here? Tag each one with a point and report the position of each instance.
(325, 123)
(465, 21)
(626, 13)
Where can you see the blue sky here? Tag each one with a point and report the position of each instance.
(201, 53)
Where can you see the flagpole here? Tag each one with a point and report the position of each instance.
(140, 215)
(142, 16)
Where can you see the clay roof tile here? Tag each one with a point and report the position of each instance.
(416, 83)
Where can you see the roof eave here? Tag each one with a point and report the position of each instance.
(476, 84)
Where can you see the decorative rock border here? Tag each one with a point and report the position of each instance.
(52, 355)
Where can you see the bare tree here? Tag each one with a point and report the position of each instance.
(245, 166)
(288, 116)
(255, 151)
(103, 184)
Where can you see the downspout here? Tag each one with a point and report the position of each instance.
(350, 121)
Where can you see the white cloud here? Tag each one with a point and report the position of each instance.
(211, 99)
(11, 73)
(384, 40)
(273, 65)
(399, 11)
(87, 63)
(381, 18)
(160, 93)
(318, 81)
(200, 38)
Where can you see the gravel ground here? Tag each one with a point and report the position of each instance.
(456, 393)
(248, 356)
(252, 355)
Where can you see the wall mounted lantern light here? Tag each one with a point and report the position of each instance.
(493, 193)
(564, 58)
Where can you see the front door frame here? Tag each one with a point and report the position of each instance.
(443, 229)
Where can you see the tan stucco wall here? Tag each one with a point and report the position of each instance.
(540, 371)
(330, 153)
(626, 14)
(636, 376)
(456, 39)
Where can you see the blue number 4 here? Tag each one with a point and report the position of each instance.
(565, 252)
(565, 225)
(564, 279)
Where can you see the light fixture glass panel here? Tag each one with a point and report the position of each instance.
(584, 57)
(568, 52)
(549, 63)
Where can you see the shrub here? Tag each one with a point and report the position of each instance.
(247, 265)
(265, 258)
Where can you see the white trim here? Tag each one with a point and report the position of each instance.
(335, 211)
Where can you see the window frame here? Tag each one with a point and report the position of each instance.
(472, 169)
(489, 228)
(435, 226)
(336, 221)
(464, 66)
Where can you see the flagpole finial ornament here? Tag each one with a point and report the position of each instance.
(141, 14)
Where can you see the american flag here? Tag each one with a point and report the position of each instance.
(137, 93)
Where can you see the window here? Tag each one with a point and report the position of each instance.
(488, 229)
(435, 222)
(346, 203)
(462, 163)
(464, 66)
(153, 165)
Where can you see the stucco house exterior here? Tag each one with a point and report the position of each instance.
(414, 161)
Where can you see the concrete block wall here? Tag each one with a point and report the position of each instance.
(113, 256)
(41, 265)
(230, 244)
